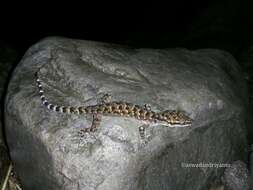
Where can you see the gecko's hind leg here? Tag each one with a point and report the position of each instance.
(142, 133)
(96, 120)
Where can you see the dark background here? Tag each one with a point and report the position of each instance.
(223, 24)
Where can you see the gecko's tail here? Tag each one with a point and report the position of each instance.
(56, 108)
(41, 93)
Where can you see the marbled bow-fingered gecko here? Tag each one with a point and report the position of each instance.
(122, 109)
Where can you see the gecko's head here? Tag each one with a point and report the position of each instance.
(176, 119)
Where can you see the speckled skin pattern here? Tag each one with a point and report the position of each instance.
(122, 109)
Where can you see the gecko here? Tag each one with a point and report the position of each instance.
(171, 118)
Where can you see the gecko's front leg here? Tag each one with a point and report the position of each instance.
(96, 118)
(96, 121)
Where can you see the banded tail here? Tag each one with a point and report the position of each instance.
(56, 108)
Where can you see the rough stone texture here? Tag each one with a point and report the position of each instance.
(49, 154)
(237, 176)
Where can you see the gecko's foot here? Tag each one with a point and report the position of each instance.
(86, 131)
(145, 136)
(142, 133)
(147, 107)
(105, 99)
(86, 136)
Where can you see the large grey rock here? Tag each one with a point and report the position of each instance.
(236, 177)
(48, 153)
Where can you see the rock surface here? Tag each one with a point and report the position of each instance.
(49, 154)
(237, 176)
